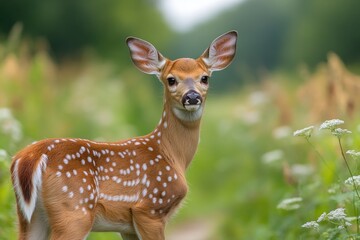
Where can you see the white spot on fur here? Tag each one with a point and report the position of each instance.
(65, 188)
(71, 194)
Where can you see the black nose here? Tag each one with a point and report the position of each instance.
(191, 98)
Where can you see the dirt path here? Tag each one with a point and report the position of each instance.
(199, 229)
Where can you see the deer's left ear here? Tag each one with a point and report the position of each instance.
(221, 52)
(145, 56)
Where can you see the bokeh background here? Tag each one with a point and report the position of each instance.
(65, 71)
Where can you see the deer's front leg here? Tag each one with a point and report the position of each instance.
(148, 226)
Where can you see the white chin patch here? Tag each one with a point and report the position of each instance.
(193, 113)
(192, 108)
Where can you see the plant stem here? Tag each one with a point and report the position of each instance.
(354, 184)
(356, 214)
(348, 167)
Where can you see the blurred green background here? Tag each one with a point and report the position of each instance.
(65, 71)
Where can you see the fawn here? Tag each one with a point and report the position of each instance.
(66, 188)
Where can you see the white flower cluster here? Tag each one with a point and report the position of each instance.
(311, 224)
(337, 216)
(355, 155)
(3, 155)
(9, 125)
(290, 203)
(338, 132)
(272, 156)
(305, 132)
(353, 180)
(331, 124)
(322, 217)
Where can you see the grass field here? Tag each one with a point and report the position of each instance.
(248, 161)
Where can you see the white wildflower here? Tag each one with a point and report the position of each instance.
(9, 125)
(337, 214)
(352, 180)
(339, 132)
(3, 155)
(301, 170)
(355, 155)
(272, 156)
(5, 113)
(346, 224)
(290, 203)
(322, 217)
(331, 124)
(251, 117)
(282, 132)
(258, 98)
(351, 219)
(334, 189)
(331, 191)
(312, 224)
(305, 132)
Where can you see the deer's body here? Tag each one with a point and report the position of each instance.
(66, 188)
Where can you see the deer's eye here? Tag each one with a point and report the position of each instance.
(171, 81)
(205, 79)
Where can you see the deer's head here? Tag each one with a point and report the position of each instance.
(185, 80)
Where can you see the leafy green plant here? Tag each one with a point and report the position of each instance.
(337, 224)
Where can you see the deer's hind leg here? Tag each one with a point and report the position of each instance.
(70, 212)
(37, 228)
(148, 227)
(39, 225)
(23, 225)
(69, 225)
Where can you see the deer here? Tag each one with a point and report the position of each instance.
(66, 188)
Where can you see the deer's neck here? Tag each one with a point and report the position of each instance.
(178, 137)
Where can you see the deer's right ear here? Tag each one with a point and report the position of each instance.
(221, 51)
(145, 56)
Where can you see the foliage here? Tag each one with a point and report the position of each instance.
(319, 27)
(72, 26)
(7, 214)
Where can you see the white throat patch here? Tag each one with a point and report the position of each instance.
(188, 116)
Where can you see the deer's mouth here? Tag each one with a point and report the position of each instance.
(192, 107)
(192, 100)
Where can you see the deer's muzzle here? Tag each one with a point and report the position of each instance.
(191, 100)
